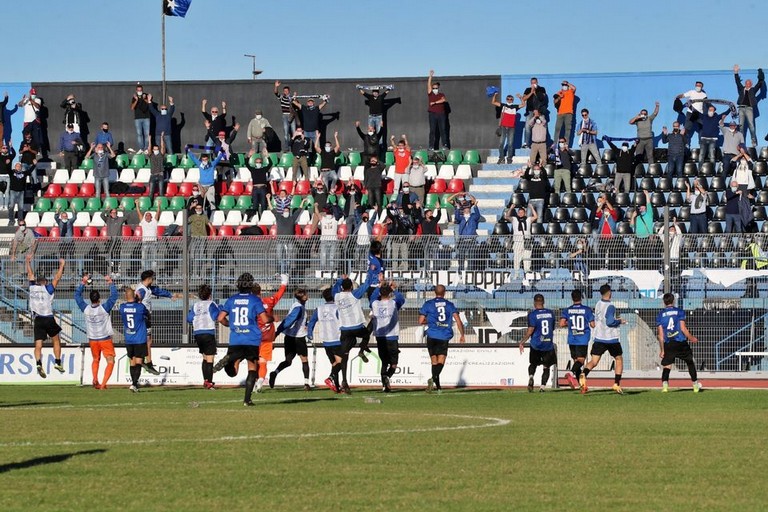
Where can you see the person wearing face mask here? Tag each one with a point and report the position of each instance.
(260, 169)
(5, 119)
(311, 116)
(69, 144)
(564, 166)
(217, 122)
(520, 225)
(749, 95)
(696, 110)
(536, 101)
(538, 125)
(709, 135)
(328, 155)
(100, 166)
(7, 154)
(417, 177)
(538, 190)
(73, 113)
(438, 115)
(641, 221)
(579, 259)
(163, 118)
(733, 198)
(375, 102)
(114, 224)
(24, 242)
(18, 184)
(141, 116)
(288, 113)
(644, 124)
(65, 221)
(207, 170)
(157, 168)
(199, 229)
(352, 208)
(466, 232)
(148, 227)
(371, 140)
(32, 123)
(402, 154)
(194, 200)
(743, 169)
(676, 142)
(255, 132)
(732, 139)
(699, 202)
(285, 225)
(104, 136)
(625, 164)
(564, 101)
(587, 133)
(372, 182)
(507, 114)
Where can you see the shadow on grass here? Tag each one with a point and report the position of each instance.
(305, 400)
(48, 459)
(28, 404)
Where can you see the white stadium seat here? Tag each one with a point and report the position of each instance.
(143, 175)
(61, 177)
(463, 172)
(177, 175)
(77, 177)
(127, 175)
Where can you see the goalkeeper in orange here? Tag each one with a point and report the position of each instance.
(268, 328)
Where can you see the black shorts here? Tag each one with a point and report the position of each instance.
(578, 351)
(437, 347)
(295, 346)
(332, 352)
(138, 350)
(240, 352)
(599, 348)
(206, 343)
(45, 327)
(546, 358)
(148, 323)
(349, 338)
(676, 350)
(389, 351)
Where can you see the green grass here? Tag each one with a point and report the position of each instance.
(68, 448)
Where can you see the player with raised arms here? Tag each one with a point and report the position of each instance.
(438, 315)
(351, 318)
(41, 294)
(386, 302)
(98, 327)
(135, 316)
(146, 292)
(268, 328)
(327, 316)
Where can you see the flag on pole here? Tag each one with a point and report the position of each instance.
(176, 7)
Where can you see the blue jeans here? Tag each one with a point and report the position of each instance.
(538, 205)
(142, 133)
(289, 126)
(375, 121)
(15, 198)
(675, 166)
(699, 223)
(312, 136)
(528, 129)
(507, 143)
(168, 142)
(148, 255)
(259, 198)
(707, 149)
(747, 116)
(101, 183)
(156, 183)
(285, 254)
(733, 223)
(329, 180)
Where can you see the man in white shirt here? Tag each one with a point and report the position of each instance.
(41, 294)
(695, 110)
(328, 240)
(148, 225)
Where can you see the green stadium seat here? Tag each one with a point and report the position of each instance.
(227, 203)
(87, 164)
(145, 203)
(341, 201)
(186, 162)
(341, 159)
(286, 160)
(162, 202)
(431, 201)
(77, 204)
(60, 203)
(364, 200)
(454, 157)
(177, 204)
(244, 203)
(138, 161)
(110, 202)
(472, 156)
(275, 157)
(390, 158)
(355, 159)
(43, 205)
(423, 154)
(240, 159)
(295, 202)
(122, 161)
(93, 205)
(317, 160)
(331, 199)
(445, 203)
(172, 160)
(127, 204)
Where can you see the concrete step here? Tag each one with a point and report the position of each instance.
(498, 187)
(494, 173)
(483, 197)
(495, 181)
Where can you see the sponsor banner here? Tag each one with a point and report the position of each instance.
(17, 366)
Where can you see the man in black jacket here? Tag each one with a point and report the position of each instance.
(371, 140)
(372, 177)
(747, 101)
(535, 99)
(625, 164)
(18, 185)
(7, 154)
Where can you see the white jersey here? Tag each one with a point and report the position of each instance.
(41, 299)
(328, 322)
(98, 322)
(204, 315)
(605, 315)
(299, 327)
(350, 310)
(387, 319)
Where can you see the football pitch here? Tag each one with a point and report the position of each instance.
(68, 448)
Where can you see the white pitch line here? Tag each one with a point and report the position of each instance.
(490, 422)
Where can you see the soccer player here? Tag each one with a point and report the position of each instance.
(351, 318)
(203, 316)
(135, 317)
(438, 315)
(386, 302)
(607, 324)
(375, 276)
(294, 327)
(146, 292)
(41, 294)
(268, 328)
(242, 313)
(327, 315)
(580, 321)
(673, 336)
(541, 327)
(98, 327)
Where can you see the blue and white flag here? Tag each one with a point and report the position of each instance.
(176, 7)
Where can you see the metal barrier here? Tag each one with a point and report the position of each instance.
(726, 304)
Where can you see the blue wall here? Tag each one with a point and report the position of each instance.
(613, 99)
(15, 91)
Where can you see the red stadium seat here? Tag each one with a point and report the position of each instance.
(226, 231)
(55, 232)
(185, 189)
(379, 229)
(273, 231)
(91, 232)
(249, 188)
(236, 188)
(303, 188)
(389, 187)
(298, 231)
(171, 190)
(41, 231)
(103, 232)
(53, 190)
(455, 185)
(222, 186)
(438, 187)
(160, 231)
(87, 190)
(77, 232)
(287, 186)
(343, 231)
(137, 231)
(340, 187)
(127, 231)
(69, 190)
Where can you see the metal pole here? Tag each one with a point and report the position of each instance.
(185, 271)
(164, 91)
(667, 264)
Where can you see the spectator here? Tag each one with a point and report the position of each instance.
(32, 105)
(199, 229)
(538, 190)
(430, 224)
(141, 113)
(114, 224)
(69, 146)
(587, 133)
(288, 114)
(5, 119)
(708, 136)
(18, 186)
(260, 178)
(564, 166)
(579, 259)
(24, 243)
(460, 200)
(733, 197)
(283, 201)
(73, 114)
(520, 225)
(7, 154)
(352, 209)
(285, 226)
(255, 133)
(375, 101)
(468, 219)
(507, 121)
(401, 225)
(438, 115)
(371, 141)
(696, 96)
(564, 102)
(363, 234)
(606, 216)
(104, 136)
(310, 117)
(328, 156)
(676, 142)
(743, 170)
(207, 176)
(223, 142)
(163, 120)
(195, 200)
(732, 139)
(148, 225)
(644, 124)
(747, 102)
(417, 177)
(641, 219)
(537, 123)
(625, 162)
(65, 221)
(217, 123)
(536, 102)
(320, 197)
(406, 198)
(402, 153)
(372, 182)
(300, 147)
(699, 202)
(101, 167)
(328, 240)
(28, 150)
(157, 167)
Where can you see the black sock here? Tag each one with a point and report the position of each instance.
(250, 382)
(692, 370)
(39, 362)
(576, 369)
(531, 370)
(282, 366)
(305, 369)
(57, 361)
(391, 371)
(586, 371)
(665, 374)
(545, 376)
(434, 372)
(135, 374)
(207, 371)
(617, 379)
(335, 374)
(437, 377)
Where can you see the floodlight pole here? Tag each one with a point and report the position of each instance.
(255, 72)
(162, 16)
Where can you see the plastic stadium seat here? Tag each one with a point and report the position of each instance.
(472, 156)
(60, 203)
(243, 203)
(438, 187)
(431, 200)
(759, 213)
(87, 164)
(286, 160)
(77, 177)
(463, 172)
(602, 171)
(87, 190)
(77, 204)
(537, 228)
(32, 219)
(608, 155)
(354, 159)
(622, 199)
(193, 175)
(127, 175)
(61, 176)
(762, 197)
(708, 169)
(761, 168)
(665, 184)
(680, 184)
(553, 228)
(70, 190)
(138, 161)
(127, 203)
(177, 175)
(236, 188)
(623, 228)
(171, 160)
(658, 200)
(47, 220)
(577, 184)
(648, 184)
(568, 199)
(562, 215)
(82, 219)
(675, 199)
(171, 189)
(145, 203)
(389, 158)
(110, 203)
(225, 231)
(122, 161)
(446, 172)
(218, 217)
(234, 218)
(389, 188)
(288, 186)
(227, 202)
(96, 219)
(379, 230)
(42, 205)
(160, 201)
(91, 232)
(40, 231)
(714, 228)
(53, 190)
(127, 231)
(185, 189)
(454, 157)
(554, 200)
(717, 183)
(142, 175)
(54, 232)
(303, 187)
(579, 214)
(267, 218)
(345, 172)
(177, 203)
